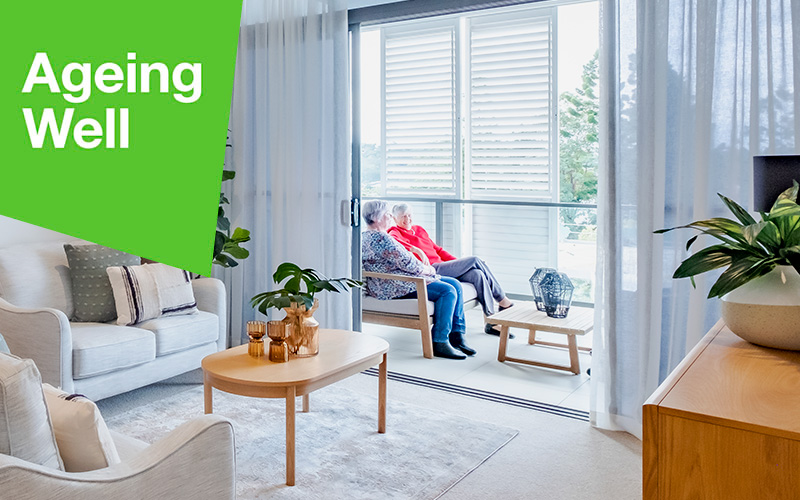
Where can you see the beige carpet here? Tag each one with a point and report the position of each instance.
(552, 457)
(340, 455)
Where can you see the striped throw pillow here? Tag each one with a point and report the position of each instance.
(150, 291)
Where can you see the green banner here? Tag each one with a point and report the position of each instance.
(114, 120)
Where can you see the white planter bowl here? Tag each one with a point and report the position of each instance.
(766, 311)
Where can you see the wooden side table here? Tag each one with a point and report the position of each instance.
(579, 321)
(341, 354)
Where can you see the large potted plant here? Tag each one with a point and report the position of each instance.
(297, 299)
(760, 289)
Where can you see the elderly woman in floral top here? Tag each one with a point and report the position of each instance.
(383, 254)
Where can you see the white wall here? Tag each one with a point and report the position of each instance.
(14, 232)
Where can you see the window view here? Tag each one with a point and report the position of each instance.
(484, 123)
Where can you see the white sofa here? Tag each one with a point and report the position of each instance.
(98, 360)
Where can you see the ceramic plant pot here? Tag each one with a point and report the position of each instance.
(303, 339)
(766, 310)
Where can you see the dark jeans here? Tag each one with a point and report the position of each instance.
(448, 307)
(475, 271)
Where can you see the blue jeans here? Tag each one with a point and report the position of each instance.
(448, 308)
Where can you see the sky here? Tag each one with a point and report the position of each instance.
(578, 35)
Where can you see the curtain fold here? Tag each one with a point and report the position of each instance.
(291, 146)
(690, 91)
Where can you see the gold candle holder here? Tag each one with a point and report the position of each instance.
(256, 330)
(278, 350)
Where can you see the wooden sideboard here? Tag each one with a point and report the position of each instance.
(725, 424)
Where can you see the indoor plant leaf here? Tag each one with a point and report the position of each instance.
(705, 260)
(240, 235)
(739, 212)
(740, 272)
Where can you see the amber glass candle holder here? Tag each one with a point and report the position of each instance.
(278, 350)
(256, 331)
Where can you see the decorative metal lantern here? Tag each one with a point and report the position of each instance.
(557, 294)
(535, 281)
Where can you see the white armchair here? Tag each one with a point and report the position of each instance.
(196, 461)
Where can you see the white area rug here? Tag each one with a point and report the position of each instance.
(340, 454)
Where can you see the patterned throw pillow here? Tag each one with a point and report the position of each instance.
(83, 438)
(150, 291)
(91, 290)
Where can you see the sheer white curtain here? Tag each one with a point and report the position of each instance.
(690, 91)
(290, 136)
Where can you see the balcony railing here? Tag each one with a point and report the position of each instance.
(515, 237)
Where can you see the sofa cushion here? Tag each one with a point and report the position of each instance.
(34, 276)
(91, 291)
(150, 291)
(25, 429)
(99, 348)
(84, 441)
(409, 306)
(178, 333)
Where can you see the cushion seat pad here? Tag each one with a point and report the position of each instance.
(409, 306)
(99, 348)
(178, 333)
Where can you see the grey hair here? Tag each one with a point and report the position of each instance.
(400, 209)
(374, 210)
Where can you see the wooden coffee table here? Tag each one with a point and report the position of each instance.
(579, 321)
(341, 354)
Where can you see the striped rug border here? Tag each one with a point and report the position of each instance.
(552, 409)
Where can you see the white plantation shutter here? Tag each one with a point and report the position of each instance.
(511, 141)
(419, 109)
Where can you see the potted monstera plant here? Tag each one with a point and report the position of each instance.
(297, 299)
(760, 289)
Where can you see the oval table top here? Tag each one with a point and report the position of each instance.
(339, 350)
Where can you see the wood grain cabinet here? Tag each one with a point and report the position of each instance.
(725, 424)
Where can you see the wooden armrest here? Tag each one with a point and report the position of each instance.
(422, 289)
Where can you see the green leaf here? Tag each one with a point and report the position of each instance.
(739, 273)
(236, 251)
(739, 212)
(286, 270)
(721, 228)
(219, 242)
(240, 235)
(783, 209)
(691, 241)
(223, 224)
(752, 231)
(228, 175)
(792, 254)
(770, 237)
(705, 260)
(789, 195)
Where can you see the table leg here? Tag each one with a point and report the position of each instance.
(207, 394)
(306, 404)
(574, 362)
(382, 395)
(531, 336)
(501, 351)
(290, 402)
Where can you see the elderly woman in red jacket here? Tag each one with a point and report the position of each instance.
(466, 269)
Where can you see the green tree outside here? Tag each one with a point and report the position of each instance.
(579, 152)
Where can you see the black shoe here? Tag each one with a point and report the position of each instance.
(445, 350)
(492, 331)
(501, 308)
(457, 341)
